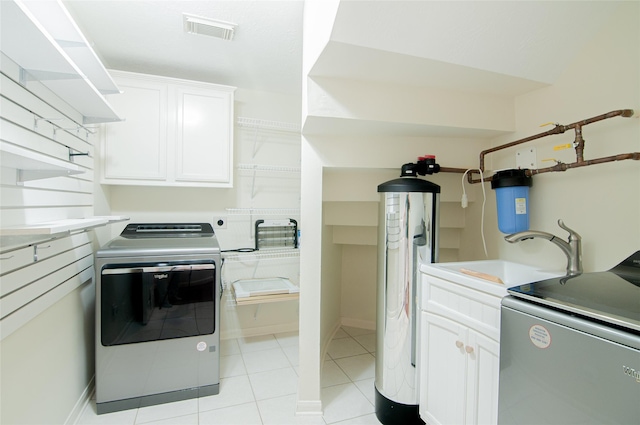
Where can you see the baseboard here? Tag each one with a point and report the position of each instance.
(358, 323)
(82, 402)
(325, 344)
(309, 408)
(257, 331)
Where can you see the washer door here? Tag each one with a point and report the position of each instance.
(150, 302)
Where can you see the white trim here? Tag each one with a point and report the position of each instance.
(81, 404)
(358, 323)
(309, 408)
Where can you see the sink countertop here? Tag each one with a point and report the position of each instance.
(511, 273)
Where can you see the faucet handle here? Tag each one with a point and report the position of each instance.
(573, 235)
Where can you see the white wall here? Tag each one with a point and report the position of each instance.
(47, 327)
(601, 202)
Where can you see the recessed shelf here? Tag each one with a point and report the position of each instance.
(31, 165)
(60, 226)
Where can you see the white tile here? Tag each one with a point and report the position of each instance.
(368, 341)
(357, 331)
(182, 420)
(243, 414)
(262, 361)
(368, 388)
(359, 367)
(343, 402)
(274, 383)
(233, 391)
(287, 339)
(90, 417)
(292, 354)
(257, 343)
(332, 374)
(232, 365)
(167, 410)
(344, 347)
(229, 347)
(282, 411)
(370, 419)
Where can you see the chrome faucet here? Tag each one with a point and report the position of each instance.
(572, 249)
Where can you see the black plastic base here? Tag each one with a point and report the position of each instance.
(390, 412)
(151, 400)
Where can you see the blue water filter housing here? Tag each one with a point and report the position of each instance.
(512, 200)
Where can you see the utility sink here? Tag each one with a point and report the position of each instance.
(493, 276)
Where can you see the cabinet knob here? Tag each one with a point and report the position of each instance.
(468, 349)
(459, 344)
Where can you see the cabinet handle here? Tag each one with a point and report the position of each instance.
(468, 349)
(6, 258)
(459, 344)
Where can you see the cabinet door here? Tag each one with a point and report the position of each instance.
(483, 368)
(135, 149)
(204, 146)
(442, 370)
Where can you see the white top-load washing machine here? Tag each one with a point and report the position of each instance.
(157, 316)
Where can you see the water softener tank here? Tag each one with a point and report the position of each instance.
(408, 236)
(512, 200)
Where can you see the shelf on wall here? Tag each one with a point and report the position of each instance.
(31, 165)
(263, 211)
(267, 254)
(60, 226)
(260, 291)
(268, 168)
(258, 124)
(40, 56)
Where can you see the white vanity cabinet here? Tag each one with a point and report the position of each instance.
(174, 133)
(459, 358)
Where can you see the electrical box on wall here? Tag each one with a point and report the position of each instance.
(526, 158)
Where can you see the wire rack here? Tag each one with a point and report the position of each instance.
(271, 254)
(263, 211)
(258, 124)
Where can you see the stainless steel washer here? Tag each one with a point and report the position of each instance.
(157, 316)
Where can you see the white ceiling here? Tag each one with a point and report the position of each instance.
(148, 37)
(504, 47)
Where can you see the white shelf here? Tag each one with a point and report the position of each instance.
(264, 211)
(268, 168)
(29, 42)
(60, 226)
(31, 165)
(257, 124)
(265, 254)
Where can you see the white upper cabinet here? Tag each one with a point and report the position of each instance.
(174, 133)
(45, 42)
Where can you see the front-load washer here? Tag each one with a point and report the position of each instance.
(157, 316)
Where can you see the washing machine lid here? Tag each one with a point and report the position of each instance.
(612, 296)
(162, 239)
(167, 230)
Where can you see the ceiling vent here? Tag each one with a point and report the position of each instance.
(211, 27)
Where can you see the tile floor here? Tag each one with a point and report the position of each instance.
(258, 384)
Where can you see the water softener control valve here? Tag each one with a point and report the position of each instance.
(425, 165)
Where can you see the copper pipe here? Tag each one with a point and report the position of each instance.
(579, 144)
(559, 129)
(452, 170)
(560, 166)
